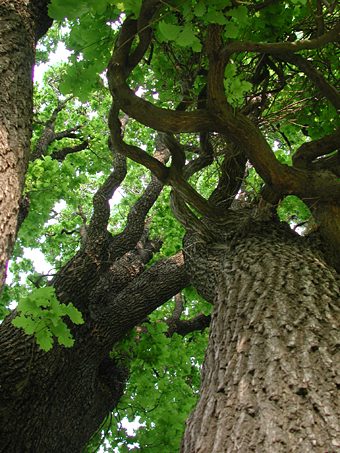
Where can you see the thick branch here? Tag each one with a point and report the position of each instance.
(147, 12)
(196, 165)
(171, 176)
(133, 152)
(238, 128)
(320, 23)
(283, 47)
(121, 273)
(185, 326)
(222, 118)
(232, 173)
(206, 157)
(67, 133)
(101, 206)
(49, 135)
(143, 111)
(176, 150)
(247, 136)
(127, 239)
(311, 150)
(189, 194)
(331, 163)
(325, 88)
(185, 216)
(60, 154)
(141, 297)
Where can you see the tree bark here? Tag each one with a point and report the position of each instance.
(55, 401)
(21, 24)
(270, 376)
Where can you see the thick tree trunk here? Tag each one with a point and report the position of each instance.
(21, 24)
(271, 375)
(55, 401)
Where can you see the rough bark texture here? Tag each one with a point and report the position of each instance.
(271, 374)
(55, 401)
(21, 24)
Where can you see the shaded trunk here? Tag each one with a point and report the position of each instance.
(271, 376)
(55, 401)
(21, 24)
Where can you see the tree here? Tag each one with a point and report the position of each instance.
(21, 26)
(237, 114)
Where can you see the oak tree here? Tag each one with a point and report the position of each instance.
(216, 124)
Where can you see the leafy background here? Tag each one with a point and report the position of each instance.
(164, 371)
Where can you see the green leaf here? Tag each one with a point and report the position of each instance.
(246, 86)
(74, 314)
(197, 45)
(133, 6)
(59, 9)
(231, 31)
(66, 341)
(170, 32)
(63, 334)
(56, 10)
(230, 70)
(240, 14)
(99, 6)
(186, 37)
(199, 9)
(43, 296)
(25, 323)
(215, 17)
(44, 339)
(44, 318)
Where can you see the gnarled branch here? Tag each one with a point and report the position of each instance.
(141, 297)
(331, 163)
(276, 48)
(60, 154)
(325, 88)
(128, 238)
(143, 111)
(49, 136)
(232, 173)
(185, 326)
(101, 206)
(309, 151)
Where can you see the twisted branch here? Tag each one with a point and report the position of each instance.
(276, 48)
(325, 88)
(309, 151)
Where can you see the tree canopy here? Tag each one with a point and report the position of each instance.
(167, 113)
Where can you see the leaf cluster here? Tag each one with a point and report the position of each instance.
(40, 314)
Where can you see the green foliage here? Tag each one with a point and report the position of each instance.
(59, 9)
(162, 389)
(47, 44)
(184, 36)
(164, 371)
(41, 315)
(293, 210)
(164, 382)
(235, 85)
